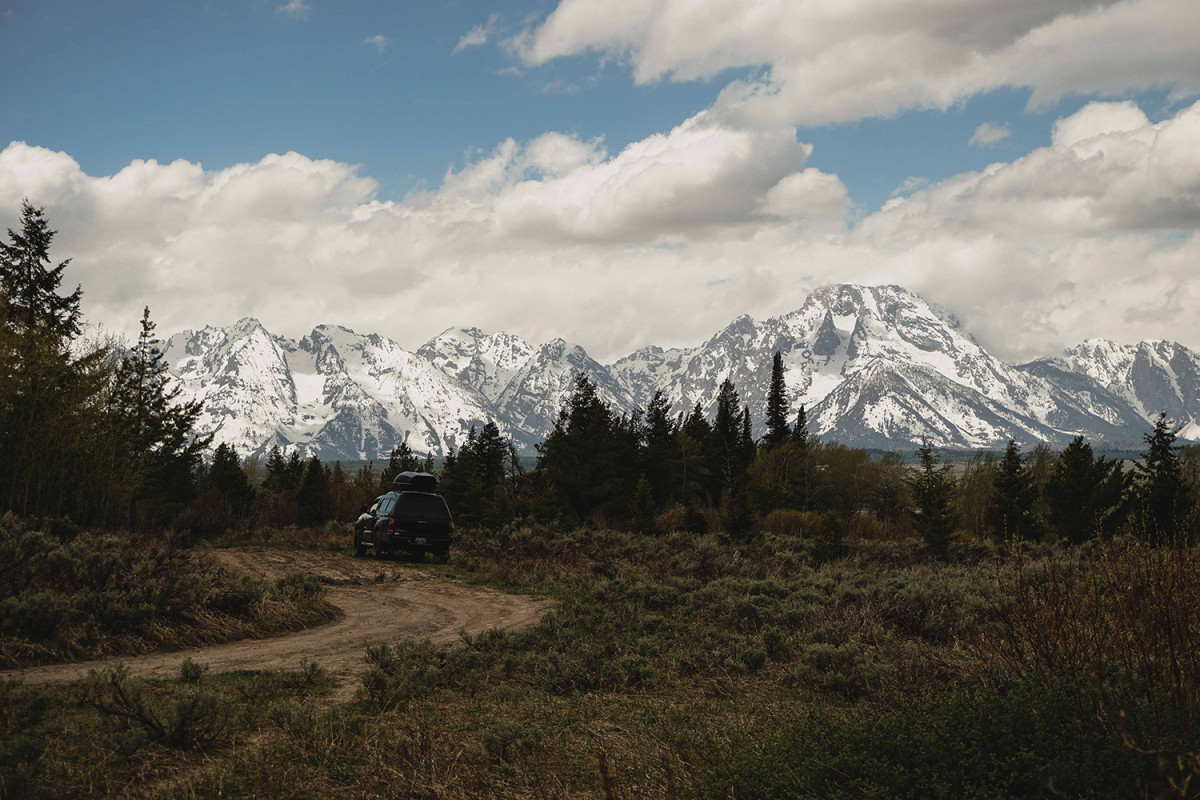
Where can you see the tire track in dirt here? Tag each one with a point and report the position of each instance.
(383, 601)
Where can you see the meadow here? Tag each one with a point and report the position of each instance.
(686, 666)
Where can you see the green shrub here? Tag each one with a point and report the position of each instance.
(790, 522)
(194, 716)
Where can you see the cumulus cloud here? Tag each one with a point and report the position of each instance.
(478, 35)
(988, 134)
(378, 41)
(1061, 243)
(661, 242)
(831, 61)
(295, 9)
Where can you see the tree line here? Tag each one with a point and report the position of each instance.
(91, 430)
(95, 431)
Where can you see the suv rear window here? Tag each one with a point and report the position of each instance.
(423, 505)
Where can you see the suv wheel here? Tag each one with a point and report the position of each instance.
(360, 549)
(441, 556)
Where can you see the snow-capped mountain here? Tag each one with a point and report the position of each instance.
(334, 393)
(1152, 376)
(875, 366)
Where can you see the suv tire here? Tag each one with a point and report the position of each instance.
(360, 549)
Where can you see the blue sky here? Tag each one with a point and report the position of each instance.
(601, 154)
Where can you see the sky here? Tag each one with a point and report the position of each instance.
(616, 173)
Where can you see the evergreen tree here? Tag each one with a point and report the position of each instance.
(659, 456)
(1013, 496)
(694, 473)
(748, 448)
(402, 460)
(226, 477)
(366, 484)
(778, 431)
(584, 462)
(1083, 493)
(461, 482)
(313, 500)
(642, 509)
(491, 453)
(932, 493)
(294, 473)
(726, 447)
(800, 431)
(158, 429)
(276, 479)
(51, 442)
(30, 284)
(1162, 497)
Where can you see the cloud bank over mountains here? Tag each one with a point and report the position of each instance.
(662, 240)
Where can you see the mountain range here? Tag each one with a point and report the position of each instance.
(875, 366)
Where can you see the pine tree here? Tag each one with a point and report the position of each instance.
(1013, 496)
(294, 473)
(659, 457)
(226, 477)
(158, 429)
(402, 460)
(584, 462)
(748, 448)
(30, 284)
(47, 394)
(642, 509)
(726, 439)
(1083, 492)
(1163, 499)
(366, 484)
(778, 431)
(932, 493)
(276, 478)
(313, 501)
(800, 431)
(491, 453)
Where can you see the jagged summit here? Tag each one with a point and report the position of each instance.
(875, 366)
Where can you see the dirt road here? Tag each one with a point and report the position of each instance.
(383, 601)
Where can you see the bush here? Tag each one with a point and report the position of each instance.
(790, 522)
(195, 716)
(68, 596)
(681, 518)
(1027, 742)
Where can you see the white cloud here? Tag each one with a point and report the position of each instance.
(832, 61)
(378, 41)
(988, 134)
(910, 184)
(661, 242)
(1098, 119)
(478, 35)
(295, 9)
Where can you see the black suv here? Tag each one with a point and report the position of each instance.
(412, 518)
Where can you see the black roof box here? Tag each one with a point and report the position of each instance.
(415, 482)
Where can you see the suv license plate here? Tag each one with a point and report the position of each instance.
(420, 540)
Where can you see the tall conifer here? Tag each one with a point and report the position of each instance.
(778, 431)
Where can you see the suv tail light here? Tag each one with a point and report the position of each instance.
(392, 525)
(451, 530)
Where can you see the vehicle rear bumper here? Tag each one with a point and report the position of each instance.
(407, 541)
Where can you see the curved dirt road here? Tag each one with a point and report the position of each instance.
(383, 601)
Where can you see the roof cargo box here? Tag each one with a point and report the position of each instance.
(415, 482)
